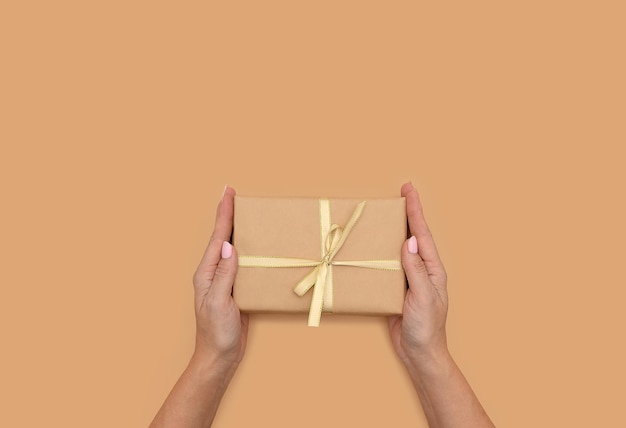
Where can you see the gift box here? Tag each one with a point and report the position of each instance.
(336, 255)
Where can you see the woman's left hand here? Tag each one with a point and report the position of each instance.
(221, 330)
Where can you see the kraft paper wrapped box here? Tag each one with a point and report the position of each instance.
(339, 255)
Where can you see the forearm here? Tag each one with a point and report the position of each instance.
(445, 394)
(195, 397)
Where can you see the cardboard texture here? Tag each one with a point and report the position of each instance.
(290, 227)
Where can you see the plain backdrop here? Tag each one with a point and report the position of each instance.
(121, 122)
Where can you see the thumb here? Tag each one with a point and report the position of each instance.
(225, 271)
(414, 267)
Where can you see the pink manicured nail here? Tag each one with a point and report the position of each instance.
(227, 250)
(413, 245)
(224, 192)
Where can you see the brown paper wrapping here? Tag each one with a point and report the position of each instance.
(290, 227)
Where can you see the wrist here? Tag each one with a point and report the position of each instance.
(220, 356)
(430, 361)
(212, 367)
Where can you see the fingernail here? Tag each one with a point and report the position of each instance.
(224, 192)
(227, 250)
(413, 245)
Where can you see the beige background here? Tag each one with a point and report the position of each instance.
(122, 121)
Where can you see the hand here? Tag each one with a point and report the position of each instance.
(221, 330)
(419, 334)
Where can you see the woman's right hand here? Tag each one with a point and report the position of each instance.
(419, 334)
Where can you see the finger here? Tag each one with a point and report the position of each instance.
(224, 277)
(414, 267)
(222, 231)
(224, 216)
(419, 229)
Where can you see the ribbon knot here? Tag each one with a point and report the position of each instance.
(321, 277)
(331, 245)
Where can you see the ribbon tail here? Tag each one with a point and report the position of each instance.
(317, 301)
(306, 283)
(328, 290)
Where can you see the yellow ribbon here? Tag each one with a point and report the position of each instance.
(321, 277)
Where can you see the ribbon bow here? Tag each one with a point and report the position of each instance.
(320, 278)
